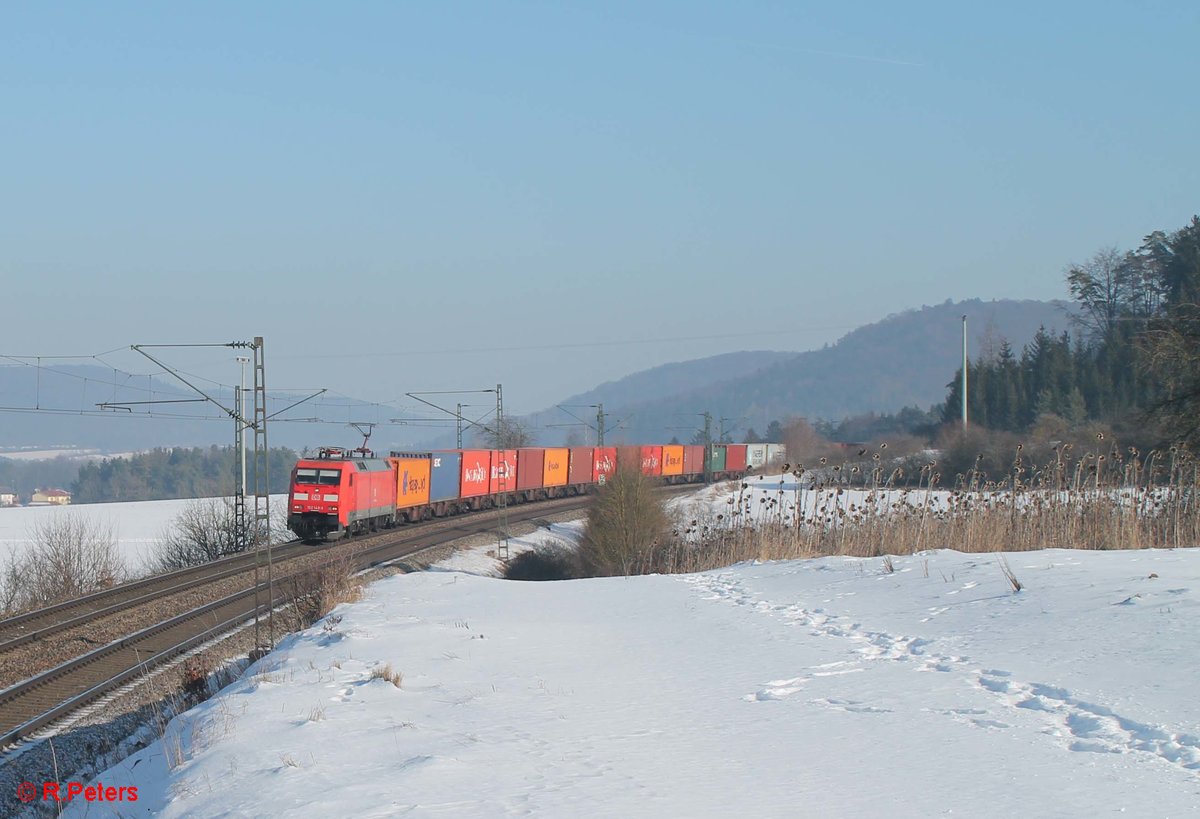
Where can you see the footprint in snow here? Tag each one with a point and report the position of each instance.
(1093, 728)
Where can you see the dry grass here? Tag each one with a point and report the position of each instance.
(385, 672)
(315, 593)
(1106, 499)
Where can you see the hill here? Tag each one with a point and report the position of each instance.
(906, 359)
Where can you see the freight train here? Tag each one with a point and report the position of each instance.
(349, 491)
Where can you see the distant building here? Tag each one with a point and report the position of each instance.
(51, 497)
(8, 498)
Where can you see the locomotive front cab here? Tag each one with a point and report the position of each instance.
(315, 499)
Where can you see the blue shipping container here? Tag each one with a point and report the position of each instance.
(444, 475)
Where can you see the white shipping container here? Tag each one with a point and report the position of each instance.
(756, 455)
(776, 454)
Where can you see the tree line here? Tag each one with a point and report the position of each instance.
(1132, 360)
(174, 473)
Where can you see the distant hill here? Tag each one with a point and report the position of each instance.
(57, 408)
(904, 360)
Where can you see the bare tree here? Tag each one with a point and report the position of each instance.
(1103, 287)
(205, 530)
(805, 445)
(508, 433)
(626, 523)
(70, 556)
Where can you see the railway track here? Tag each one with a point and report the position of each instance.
(35, 703)
(42, 623)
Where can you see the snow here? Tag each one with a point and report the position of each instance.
(73, 454)
(826, 687)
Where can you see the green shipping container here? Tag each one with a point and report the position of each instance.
(716, 458)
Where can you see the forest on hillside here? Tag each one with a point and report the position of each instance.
(1132, 361)
(173, 473)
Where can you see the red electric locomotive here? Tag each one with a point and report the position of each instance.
(341, 492)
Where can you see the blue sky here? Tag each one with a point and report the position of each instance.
(405, 197)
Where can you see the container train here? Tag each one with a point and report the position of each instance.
(349, 491)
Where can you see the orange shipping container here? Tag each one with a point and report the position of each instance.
(554, 471)
(672, 459)
(412, 480)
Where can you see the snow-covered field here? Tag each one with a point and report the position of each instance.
(807, 688)
(136, 526)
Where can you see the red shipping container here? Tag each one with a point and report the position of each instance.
(504, 471)
(604, 463)
(529, 468)
(629, 457)
(735, 457)
(693, 460)
(651, 460)
(476, 467)
(580, 469)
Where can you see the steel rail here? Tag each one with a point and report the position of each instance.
(97, 603)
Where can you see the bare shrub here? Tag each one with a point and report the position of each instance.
(70, 555)
(626, 523)
(901, 446)
(194, 676)
(314, 593)
(205, 530)
(969, 457)
(805, 445)
(545, 562)
(1009, 575)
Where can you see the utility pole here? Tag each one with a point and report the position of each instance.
(600, 416)
(707, 447)
(721, 427)
(964, 372)
(263, 559)
(458, 419)
(262, 499)
(502, 476)
(241, 541)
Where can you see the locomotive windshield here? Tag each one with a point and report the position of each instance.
(331, 477)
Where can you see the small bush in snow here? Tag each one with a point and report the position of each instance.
(385, 672)
(545, 563)
(194, 678)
